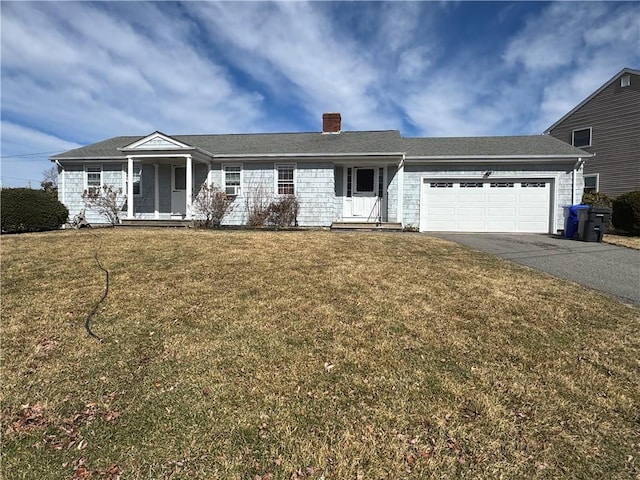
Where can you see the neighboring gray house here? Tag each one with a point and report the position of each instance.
(607, 124)
(484, 184)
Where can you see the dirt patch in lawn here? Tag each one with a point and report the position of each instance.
(291, 355)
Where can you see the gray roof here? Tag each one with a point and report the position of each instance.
(516, 146)
(259, 143)
(387, 142)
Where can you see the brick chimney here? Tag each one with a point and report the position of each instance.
(331, 122)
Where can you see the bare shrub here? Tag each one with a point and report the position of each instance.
(107, 201)
(257, 202)
(283, 211)
(212, 204)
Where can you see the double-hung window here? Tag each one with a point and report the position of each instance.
(93, 180)
(137, 179)
(232, 179)
(591, 183)
(286, 179)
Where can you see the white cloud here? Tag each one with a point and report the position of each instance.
(88, 73)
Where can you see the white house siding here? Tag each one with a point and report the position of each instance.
(315, 189)
(560, 193)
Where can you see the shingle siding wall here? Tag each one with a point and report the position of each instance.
(74, 184)
(414, 173)
(315, 189)
(315, 186)
(614, 116)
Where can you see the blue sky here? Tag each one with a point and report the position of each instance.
(76, 73)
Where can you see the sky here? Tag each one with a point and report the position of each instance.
(74, 73)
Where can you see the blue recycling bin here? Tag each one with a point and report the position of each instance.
(572, 221)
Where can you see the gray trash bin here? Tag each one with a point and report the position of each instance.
(594, 224)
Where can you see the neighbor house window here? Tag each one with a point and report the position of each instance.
(232, 181)
(625, 81)
(93, 180)
(591, 183)
(286, 179)
(581, 137)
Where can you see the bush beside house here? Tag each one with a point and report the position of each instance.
(626, 212)
(27, 210)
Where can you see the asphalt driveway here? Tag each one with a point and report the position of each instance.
(600, 266)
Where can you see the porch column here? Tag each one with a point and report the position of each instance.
(156, 191)
(130, 187)
(189, 187)
(400, 205)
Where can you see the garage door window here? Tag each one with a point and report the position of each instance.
(471, 184)
(441, 185)
(501, 185)
(532, 184)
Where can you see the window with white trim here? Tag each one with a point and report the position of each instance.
(137, 179)
(591, 183)
(581, 137)
(232, 179)
(286, 179)
(93, 180)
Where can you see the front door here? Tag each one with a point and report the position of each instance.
(365, 203)
(178, 190)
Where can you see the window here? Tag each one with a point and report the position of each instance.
(348, 182)
(365, 179)
(625, 80)
(533, 184)
(471, 184)
(441, 185)
(501, 185)
(591, 183)
(381, 182)
(137, 180)
(286, 180)
(581, 137)
(93, 180)
(232, 181)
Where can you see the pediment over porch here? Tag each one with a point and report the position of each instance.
(157, 141)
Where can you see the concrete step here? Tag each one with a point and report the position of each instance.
(389, 226)
(140, 222)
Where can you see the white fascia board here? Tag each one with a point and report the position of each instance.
(494, 158)
(89, 159)
(307, 155)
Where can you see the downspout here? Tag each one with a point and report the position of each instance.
(577, 166)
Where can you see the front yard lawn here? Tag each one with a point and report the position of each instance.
(307, 355)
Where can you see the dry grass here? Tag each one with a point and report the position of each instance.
(622, 240)
(307, 355)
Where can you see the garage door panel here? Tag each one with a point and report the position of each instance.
(507, 206)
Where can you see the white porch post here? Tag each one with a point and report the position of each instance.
(189, 192)
(156, 191)
(130, 187)
(400, 205)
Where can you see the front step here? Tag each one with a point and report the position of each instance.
(385, 226)
(145, 222)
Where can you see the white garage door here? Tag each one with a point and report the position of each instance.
(485, 206)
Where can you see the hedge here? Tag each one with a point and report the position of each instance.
(27, 210)
(626, 212)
